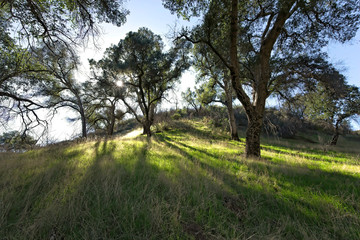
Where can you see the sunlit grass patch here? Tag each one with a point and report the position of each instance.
(186, 182)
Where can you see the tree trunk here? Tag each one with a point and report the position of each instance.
(230, 110)
(111, 125)
(334, 139)
(83, 124)
(112, 120)
(336, 134)
(253, 136)
(82, 116)
(255, 110)
(232, 124)
(147, 128)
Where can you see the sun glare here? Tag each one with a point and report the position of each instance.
(119, 83)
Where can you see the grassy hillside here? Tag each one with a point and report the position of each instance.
(188, 182)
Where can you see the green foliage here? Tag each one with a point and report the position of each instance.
(23, 80)
(333, 104)
(31, 29)
(206, 93)
(191, 98)
(15, 141)
(176, 116)
(322, 95)
(188, 182)
(20, 67)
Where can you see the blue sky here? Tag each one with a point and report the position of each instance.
(151, 14)
(347, 56)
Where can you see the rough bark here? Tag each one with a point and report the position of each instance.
(232, 123)
(252, 133)
(253, 136)
(148, 120)
(83, 125)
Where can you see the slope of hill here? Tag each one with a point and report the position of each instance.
(187, 182)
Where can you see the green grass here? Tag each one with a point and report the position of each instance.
(188, 182)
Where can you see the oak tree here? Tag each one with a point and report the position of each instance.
(245, 35)
(216, 83)
(146, 71)
(27, 25)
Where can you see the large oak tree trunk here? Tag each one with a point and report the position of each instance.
(149, 120)
(255, 109)
(253, 136)
(111, 125)
(147, 128)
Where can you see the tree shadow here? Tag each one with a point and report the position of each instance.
(123, 194)
(282, 199)
(311, 153)
(314, 155)
(35, 190)
(205, 134)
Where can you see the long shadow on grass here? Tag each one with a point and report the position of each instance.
(35, 191)
(120, 196)
(41, 192)
(123, 196)
(334, 184)
(196, 132)
(276, 205)
(314, 155)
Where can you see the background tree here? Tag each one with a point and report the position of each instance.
(31, 23)
(333, 105)
(146, 72)
(255, 31)
(317, 91)
(216, 85)
(66, 92)
(191, 99)
(15, 140)
(104, 100)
